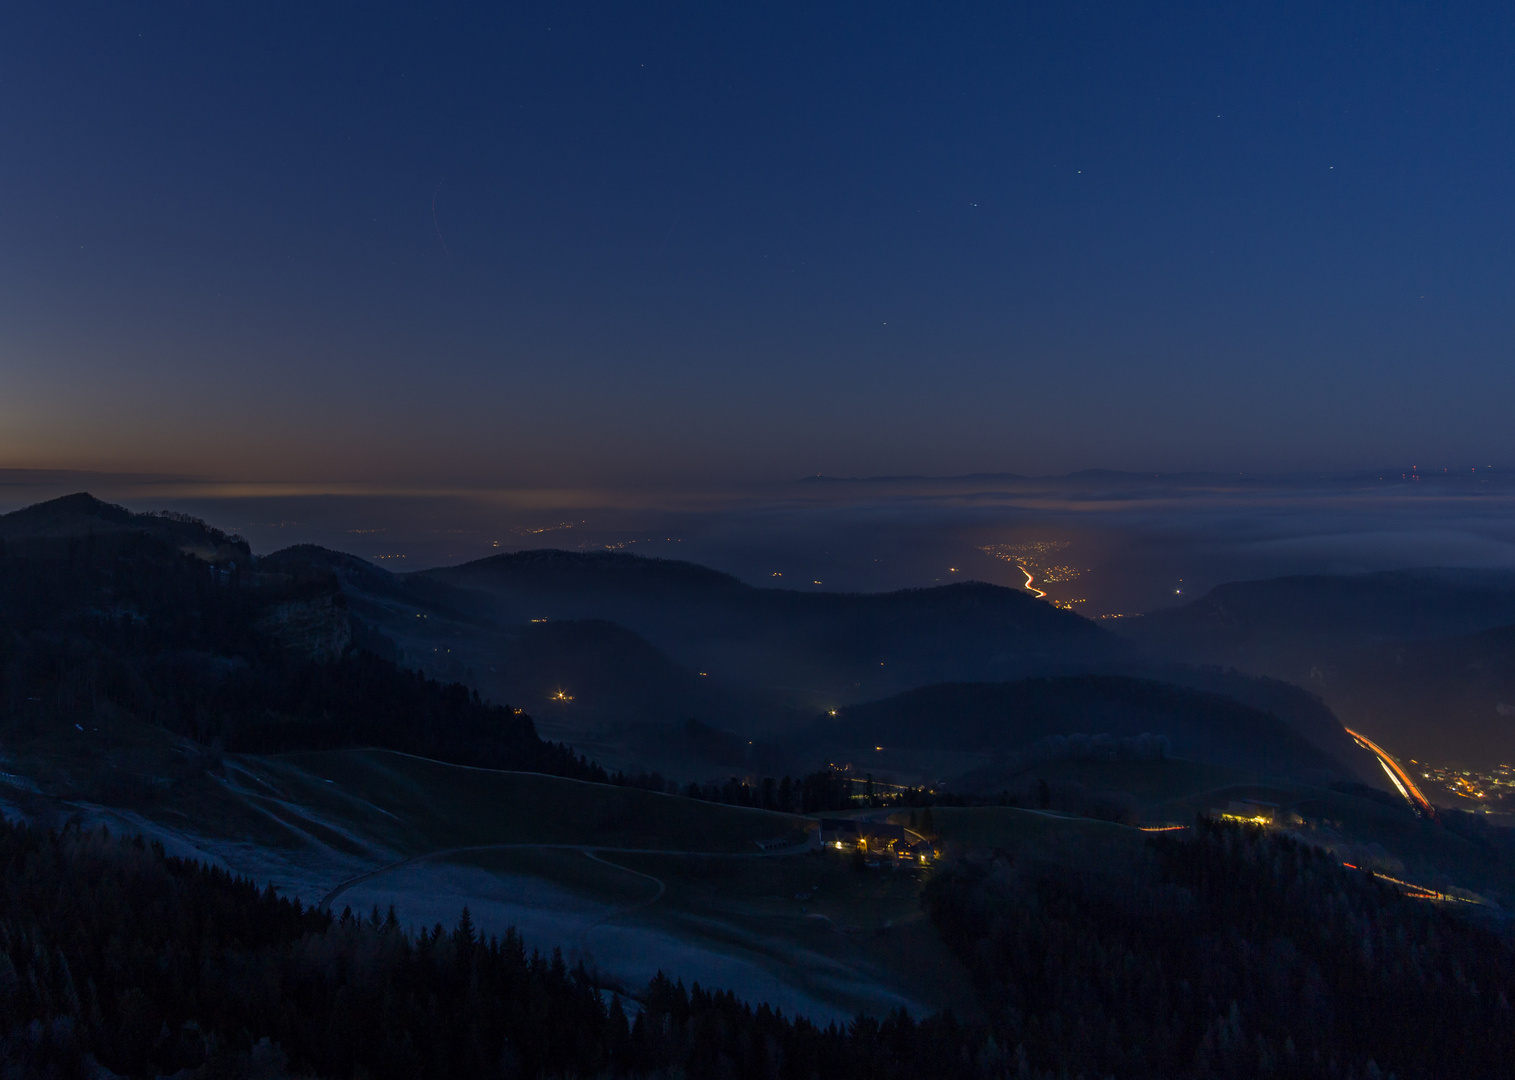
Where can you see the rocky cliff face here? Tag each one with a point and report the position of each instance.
(318, 627)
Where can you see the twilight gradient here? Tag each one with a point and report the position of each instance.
(599, 243)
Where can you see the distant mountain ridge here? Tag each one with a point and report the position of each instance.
(81, 515)
(1355, 478)
(557, 568)
(551, 620)
(594, 642)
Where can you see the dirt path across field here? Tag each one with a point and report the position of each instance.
(588, 849)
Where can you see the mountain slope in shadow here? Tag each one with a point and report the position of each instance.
(1449, 701)
(575, 676)
(996, 720)
(1414, 658)
(1286, 626)
(833, 647)
(794, 649)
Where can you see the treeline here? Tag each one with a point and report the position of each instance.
(831, 789)
(113, 955)
(1229, 954)
(824, 790)
(126, 624)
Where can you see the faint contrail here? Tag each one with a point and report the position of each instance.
(434, 221)
(664, 245)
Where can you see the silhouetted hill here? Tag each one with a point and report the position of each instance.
(310, 559)
(82, 516)
(1449, 700)
(360, 578)
(1000, 718)
(1301, 709)
(833, 647)
(1410, 657)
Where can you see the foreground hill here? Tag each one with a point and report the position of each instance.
(837, 647)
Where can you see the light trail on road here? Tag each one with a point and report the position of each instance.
(1399, 776)
(1029, 579)
(1417, 892)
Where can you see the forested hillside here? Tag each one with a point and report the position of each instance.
(112, 953)
(1231, 954)
(1228, 955)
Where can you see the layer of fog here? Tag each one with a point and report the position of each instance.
(1124, 542)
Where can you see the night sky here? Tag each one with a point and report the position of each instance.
(639, 243)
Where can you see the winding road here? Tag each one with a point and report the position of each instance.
(1402, 781)
(618, 912)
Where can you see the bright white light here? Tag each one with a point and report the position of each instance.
(1390, 774)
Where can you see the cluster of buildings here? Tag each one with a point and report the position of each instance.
(1478, 790)
(1257, 812)
(880, 842)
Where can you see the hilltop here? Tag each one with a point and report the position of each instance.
(82, 516)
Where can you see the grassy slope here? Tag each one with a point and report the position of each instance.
(426, 805)
(853, 936)
(832, 932)
(1359, 830)
(369, 805)
(1153, 783)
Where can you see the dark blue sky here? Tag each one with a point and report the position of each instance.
(598, 243)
